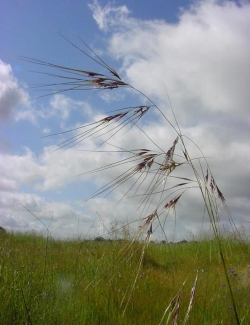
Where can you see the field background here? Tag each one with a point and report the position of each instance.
(47, 281)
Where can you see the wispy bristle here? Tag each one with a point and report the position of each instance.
(148, 220)
(172, 203)
(220, 195)
(212, 184)
(191, 299)
(206, 177)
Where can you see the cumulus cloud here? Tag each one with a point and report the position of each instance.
(11, 94)
(201, 62)
(51, 171)
(48, 171)
(24, 211)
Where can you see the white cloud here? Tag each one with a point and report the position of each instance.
(50, 170)
(26, 114)
(61, 110)
(56, 170)
(202, 62)
(62, 106)
(11, 94)
(29, 212)
(17, 170)
(107, 16)
(46, 131)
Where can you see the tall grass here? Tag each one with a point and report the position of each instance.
(85, 281)
(151, 171)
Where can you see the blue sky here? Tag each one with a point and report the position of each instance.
(197, 53)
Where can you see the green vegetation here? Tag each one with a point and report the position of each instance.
(48, 281)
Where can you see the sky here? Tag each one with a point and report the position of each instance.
(188, 57)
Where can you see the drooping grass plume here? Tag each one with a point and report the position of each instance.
(148, 174)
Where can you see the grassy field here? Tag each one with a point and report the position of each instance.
(47, 281)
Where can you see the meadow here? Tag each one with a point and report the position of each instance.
(49, 281)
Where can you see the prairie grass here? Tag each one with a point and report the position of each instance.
(138, 283)
(84, 281)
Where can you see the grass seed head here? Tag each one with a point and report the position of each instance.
(172, 203)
